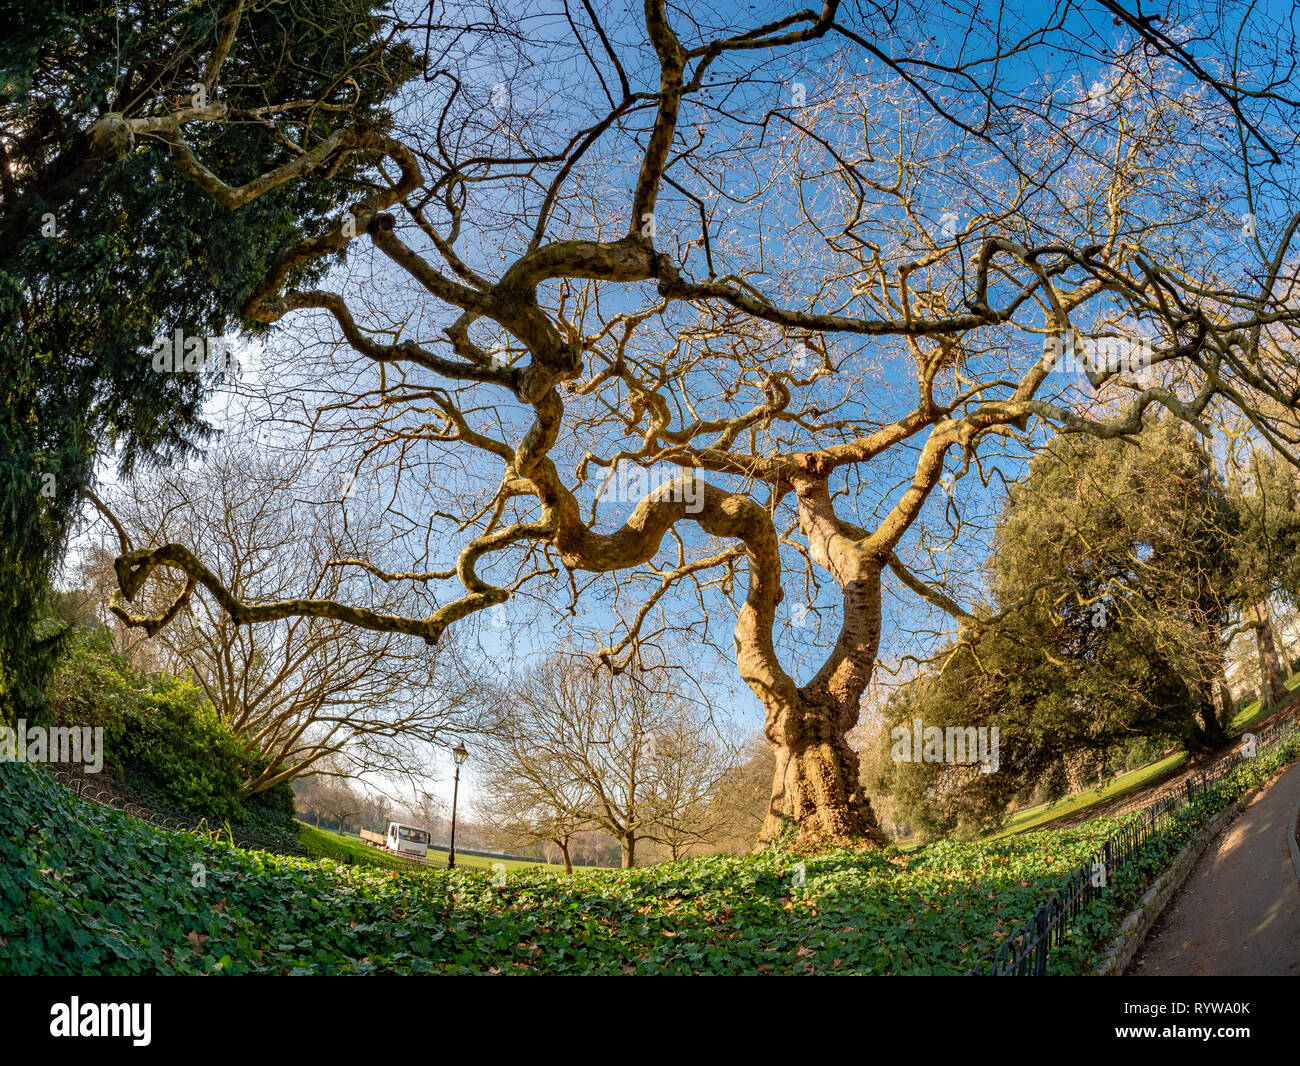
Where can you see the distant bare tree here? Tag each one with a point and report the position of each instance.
(531, 797)
(691, 761)
(303, 689)
(376, 811)
(574, 748)
(340, 801)
(740, 801)
(309, 796)
(426, 811)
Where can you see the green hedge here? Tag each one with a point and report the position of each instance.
(163, 741)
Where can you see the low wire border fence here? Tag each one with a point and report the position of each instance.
(1026, 950)
(240, 837)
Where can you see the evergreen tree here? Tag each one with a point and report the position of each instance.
(1112, 578)
(105, 247)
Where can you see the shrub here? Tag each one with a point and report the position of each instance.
(162, 739)
(172, 744)
(273, 809)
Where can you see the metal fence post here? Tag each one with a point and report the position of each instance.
(1044, 941)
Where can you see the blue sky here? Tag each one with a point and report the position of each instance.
(551, 85)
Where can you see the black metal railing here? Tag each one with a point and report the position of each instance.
(1025, 952)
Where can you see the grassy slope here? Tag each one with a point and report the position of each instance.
(1252, 712)
(88, 890)
(1036, 817)
(1044, 814)
(326, 844)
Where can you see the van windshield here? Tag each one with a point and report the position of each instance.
(415, 836)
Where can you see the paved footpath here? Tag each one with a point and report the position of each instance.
(1238, 913)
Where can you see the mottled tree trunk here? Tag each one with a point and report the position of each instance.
(816, 780)
(1272, 683)
(627, 848)
(1082, 768)
(1227, 704)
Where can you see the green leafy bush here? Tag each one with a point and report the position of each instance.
(172, 745)
(162, 739)
(272, 811)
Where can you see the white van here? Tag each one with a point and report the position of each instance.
(402, 839)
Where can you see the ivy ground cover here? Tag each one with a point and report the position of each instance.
(88, 890)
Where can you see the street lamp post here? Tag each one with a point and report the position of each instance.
(459, 755)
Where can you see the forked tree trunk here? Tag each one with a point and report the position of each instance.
(816, 779)
(816, 782)
(627, 848)
(563, 845)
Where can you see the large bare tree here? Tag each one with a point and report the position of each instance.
(813, 266)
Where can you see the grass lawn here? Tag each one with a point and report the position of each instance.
(1034, 817)
(326, 844)
(1253, 712)
(1043, 814)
